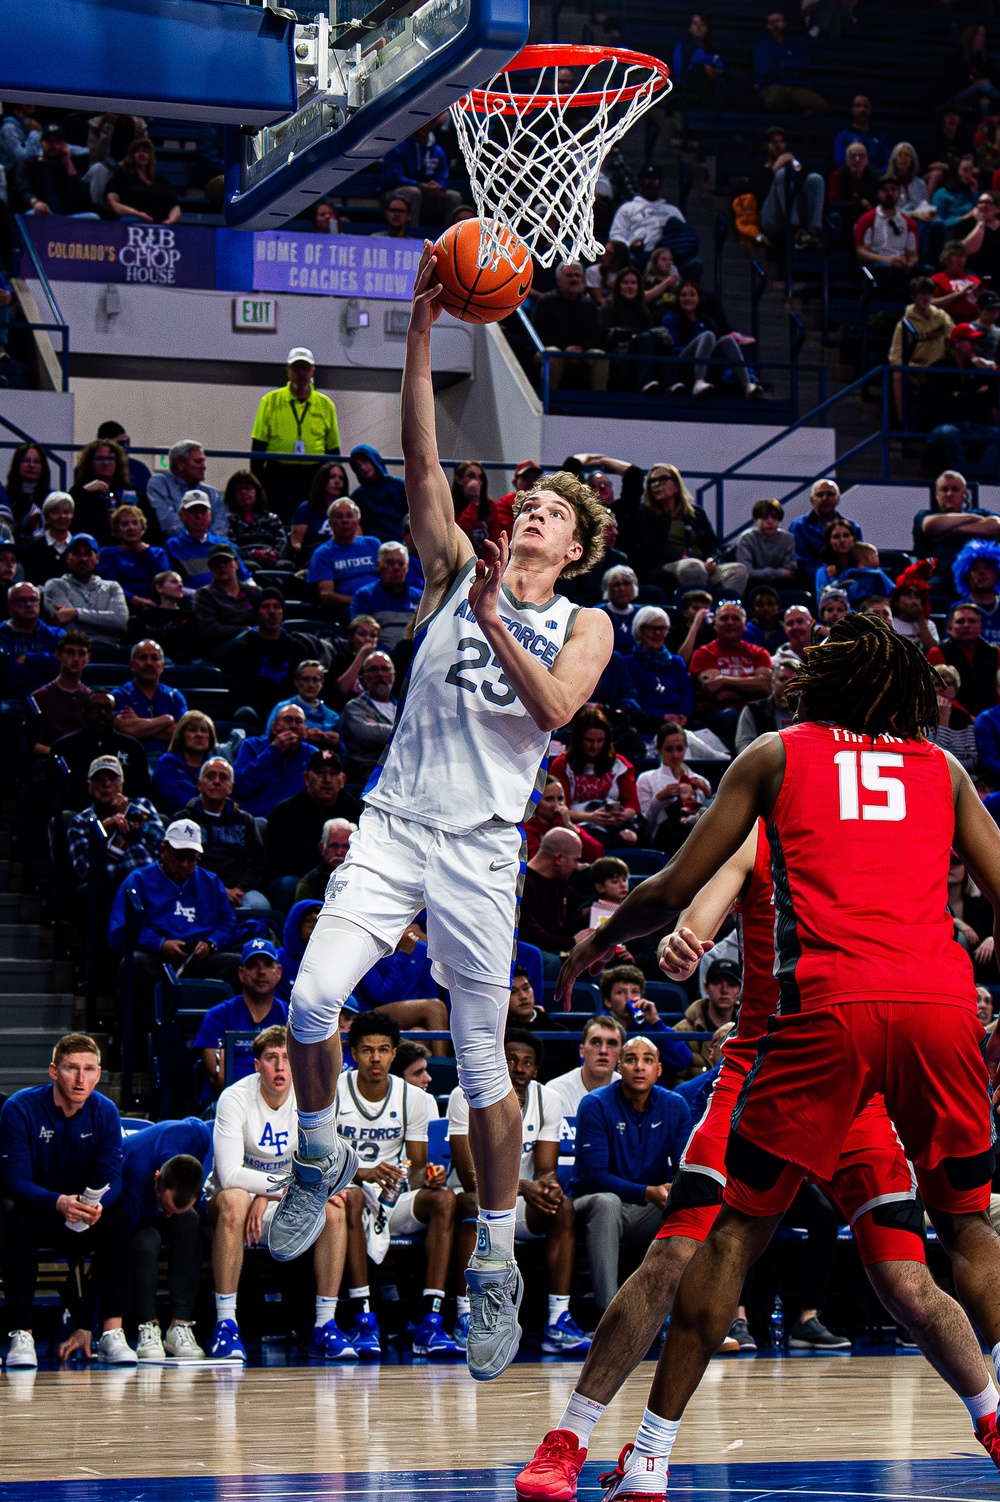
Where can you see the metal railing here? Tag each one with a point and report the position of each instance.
(58, 325)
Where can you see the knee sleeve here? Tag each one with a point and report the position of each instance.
(338, 955)
(478, 1019)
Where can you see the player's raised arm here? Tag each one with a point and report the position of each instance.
(443, 547)
(748, 790)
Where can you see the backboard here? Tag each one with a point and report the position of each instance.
(369, 73)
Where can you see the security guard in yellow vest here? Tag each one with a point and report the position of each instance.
(295, 419)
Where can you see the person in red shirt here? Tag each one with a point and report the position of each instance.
(598, 783)
(729, 671)
(552, 812)
(875, 995)
(478, 515)
(525, 475)
(957, 288)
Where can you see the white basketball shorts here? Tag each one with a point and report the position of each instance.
(470, 885)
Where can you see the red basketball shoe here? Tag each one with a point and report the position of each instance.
(552, 1473)
(636, 1478)
(989, 1437)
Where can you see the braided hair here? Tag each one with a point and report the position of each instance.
(868, 679)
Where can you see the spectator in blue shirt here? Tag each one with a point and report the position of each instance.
(340, 567)
(56, 1142)
(389, 598)
(167, 489)
(382, 498)
(781, 71)
(188, 550)
(163, 1169)
(146, 708)
(417, 171)
(809, 530)
(629, 1139)
(942, 530)
(130, 560)
(859, 129)
(252, 1010)
(322, 722)
(270, 768)
(662, 681)
(27, 644)
(185, 919)
(20, 138)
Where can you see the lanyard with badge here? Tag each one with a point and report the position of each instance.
(300, 446)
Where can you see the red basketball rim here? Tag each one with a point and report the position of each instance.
(568, 55)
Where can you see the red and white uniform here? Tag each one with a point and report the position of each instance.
(874, 994)
(873, 1184)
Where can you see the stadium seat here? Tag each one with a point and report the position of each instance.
(529, 957)
(444, 1074)
(667, 995)
(644, 862)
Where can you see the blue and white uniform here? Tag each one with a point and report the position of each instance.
(251, 1141)
(465, 765)
(541, 1121)
(379, 1130)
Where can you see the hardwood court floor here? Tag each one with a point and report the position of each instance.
(838, 1426)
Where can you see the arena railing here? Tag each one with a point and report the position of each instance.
(58, 324)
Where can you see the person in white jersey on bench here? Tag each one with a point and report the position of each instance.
(499, 662)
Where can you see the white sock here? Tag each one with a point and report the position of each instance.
(225, 1306)
(361, 1296)
(995, 1353)
(580, 1417)
(462, 1305)
(318, 1132)
(983, 1404)
(656, 1436)
(558, 1304)
(326, 1310)
(495, 1235)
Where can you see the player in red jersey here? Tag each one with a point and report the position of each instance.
(872, 1185)
(874, 994)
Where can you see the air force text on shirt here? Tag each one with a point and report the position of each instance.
(539, 645)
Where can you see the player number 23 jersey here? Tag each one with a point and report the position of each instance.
(465, 750)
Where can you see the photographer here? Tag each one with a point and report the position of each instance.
(115, 834)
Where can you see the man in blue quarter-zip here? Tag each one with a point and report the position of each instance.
(187, 920)
(61, 1152)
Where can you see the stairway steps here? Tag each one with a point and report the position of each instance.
(29, 1047)
(36, 1009)
(36, 975)
(22, 941)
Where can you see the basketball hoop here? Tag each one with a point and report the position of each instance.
(534, 169)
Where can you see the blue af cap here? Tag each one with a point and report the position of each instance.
(254, 947)
(85, 538)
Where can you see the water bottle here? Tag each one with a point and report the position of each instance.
(390, 1194)
(778, 1324)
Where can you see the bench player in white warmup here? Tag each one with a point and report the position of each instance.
(499, 663)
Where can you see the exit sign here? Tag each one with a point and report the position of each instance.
(255, 315)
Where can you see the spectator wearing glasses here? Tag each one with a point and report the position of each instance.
(981, 237)
(333, 845)
(672, 541)
(321, 721)
(233, 848)
(662, 682)
(886, 241)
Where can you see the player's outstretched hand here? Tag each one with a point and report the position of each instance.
(680, 953)
(590, 955)
(425, 309)
(484, 591)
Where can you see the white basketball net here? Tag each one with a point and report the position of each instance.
(534, 158)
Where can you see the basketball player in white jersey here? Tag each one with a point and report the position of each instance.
(499, 662)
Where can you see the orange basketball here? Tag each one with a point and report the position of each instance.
(471, 293)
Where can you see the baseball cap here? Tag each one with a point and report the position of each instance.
(105, 764)
(194, 498)
(221, 550)
(254, 947)
(8, 545)
(964, 331)
(52, 132)
(724, 970)
(774, 130)
(527, 466)
(300, 354)
(325, 758)
(184, 834)
(87, 539)
(989, 298)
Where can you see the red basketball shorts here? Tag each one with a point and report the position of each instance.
(815, 1070)
(872, 1185)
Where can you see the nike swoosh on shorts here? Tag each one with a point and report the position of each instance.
(499, 865)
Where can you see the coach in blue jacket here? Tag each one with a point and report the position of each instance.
(186, 919)
(163, 1170)
(629, 1139)
(57, 1140)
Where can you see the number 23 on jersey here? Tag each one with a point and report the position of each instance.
(863, 773)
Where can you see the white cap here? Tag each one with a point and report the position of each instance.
(194, 498)
(295, 355)
(184, 834)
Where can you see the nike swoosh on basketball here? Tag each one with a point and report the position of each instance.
(499, 865)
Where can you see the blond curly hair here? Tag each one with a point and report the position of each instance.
(591, 516)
